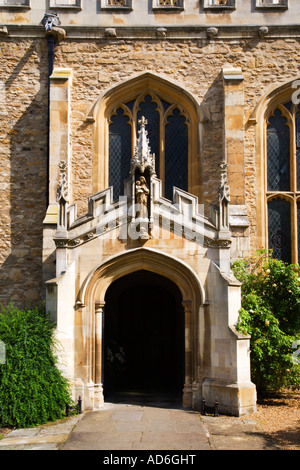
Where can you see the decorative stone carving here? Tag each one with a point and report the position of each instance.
(161, 32)
(62, 187)
(62, 195)
(212, 32)
(224, 191)
(3, 31)
(263, 31)
(224, 198)
(110, 33)
(50, 20)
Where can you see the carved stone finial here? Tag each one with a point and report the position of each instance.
(224, 191)
(62, 187)
(143, 122)
(143, 158)
(224, 199)
(62, 195)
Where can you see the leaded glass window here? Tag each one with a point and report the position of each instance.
(279, 215)
(167, 129)
(176, 153)
(278, 142)
(120, 151)
(283, 181)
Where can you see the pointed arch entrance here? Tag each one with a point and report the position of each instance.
(143, 337)
(176, 276)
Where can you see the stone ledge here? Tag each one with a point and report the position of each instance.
(150, 32)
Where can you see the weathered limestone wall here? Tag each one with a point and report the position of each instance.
(197, 66)
(98, 64)
(23, 168)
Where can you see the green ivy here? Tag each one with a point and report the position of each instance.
(270, 313)
(33, 390)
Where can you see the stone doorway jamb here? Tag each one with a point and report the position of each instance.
(98, 385)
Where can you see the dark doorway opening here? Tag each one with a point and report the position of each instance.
(143, 338)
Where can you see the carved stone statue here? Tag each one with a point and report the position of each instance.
(142, 194)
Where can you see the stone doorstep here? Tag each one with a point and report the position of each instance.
(38, 439)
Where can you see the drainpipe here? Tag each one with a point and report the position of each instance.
(54, 35)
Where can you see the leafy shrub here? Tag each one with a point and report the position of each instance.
(271, 315)
(32, 388)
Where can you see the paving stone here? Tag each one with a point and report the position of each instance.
(127, 415)
(123, 427)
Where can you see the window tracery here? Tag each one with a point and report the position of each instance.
(168, 139)
(283, 181)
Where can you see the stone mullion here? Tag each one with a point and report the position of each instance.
(293, 164)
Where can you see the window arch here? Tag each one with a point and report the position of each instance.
(167, 127)
(170, 110)
(283, 180)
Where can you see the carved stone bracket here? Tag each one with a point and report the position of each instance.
(217, 243)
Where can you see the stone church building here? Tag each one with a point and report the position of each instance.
(144, 146)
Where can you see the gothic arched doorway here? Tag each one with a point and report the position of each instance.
(143, 336)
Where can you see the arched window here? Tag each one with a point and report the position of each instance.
(167, 127)
(283, 181)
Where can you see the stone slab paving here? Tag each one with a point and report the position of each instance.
(135, 427)
(50, 436)
(123, 427)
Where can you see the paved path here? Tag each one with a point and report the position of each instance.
(137, 427)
